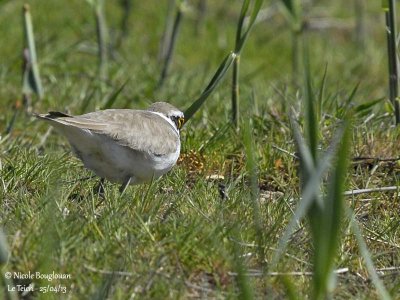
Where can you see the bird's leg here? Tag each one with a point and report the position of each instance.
(123, 187)
(99, 188)
(80, 179)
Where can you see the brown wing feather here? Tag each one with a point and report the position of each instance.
(137, 129)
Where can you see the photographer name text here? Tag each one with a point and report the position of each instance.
(37, 275)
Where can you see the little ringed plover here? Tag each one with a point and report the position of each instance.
(123, 145)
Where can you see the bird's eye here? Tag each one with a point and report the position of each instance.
(178, 121)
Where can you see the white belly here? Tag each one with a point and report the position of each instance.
(117, 163)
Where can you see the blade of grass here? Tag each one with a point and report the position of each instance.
(171, 42)
(219, 74)
(390, 17)
(309, 191)
(12, 122)
(105, 287)
(239, 43)
(236, 63)
(229, 59)
(235, 91)
(4, 253)
(113, 97)
(383, 293)
(323, 216)
(243, 37)
(201, 11)
(293, 14)
(311, 119)
(165, 39)
(126, 8)
(348, 103)
(102, 39)
(361, 24)
(242, 16)
(90, 94)
(245, 290)
(291, 292)
(325, 219)
(31, 76)
(321, 94)
(366, 107)
(316, 207)
(4, 256)
(328, 239)
(251, 166)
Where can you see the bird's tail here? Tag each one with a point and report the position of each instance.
(51, 115)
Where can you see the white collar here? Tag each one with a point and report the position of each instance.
(166, 119)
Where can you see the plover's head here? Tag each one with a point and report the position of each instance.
(170, 112)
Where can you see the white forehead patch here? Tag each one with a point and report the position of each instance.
(175, 113)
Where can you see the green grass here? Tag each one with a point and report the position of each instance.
(177, 238)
